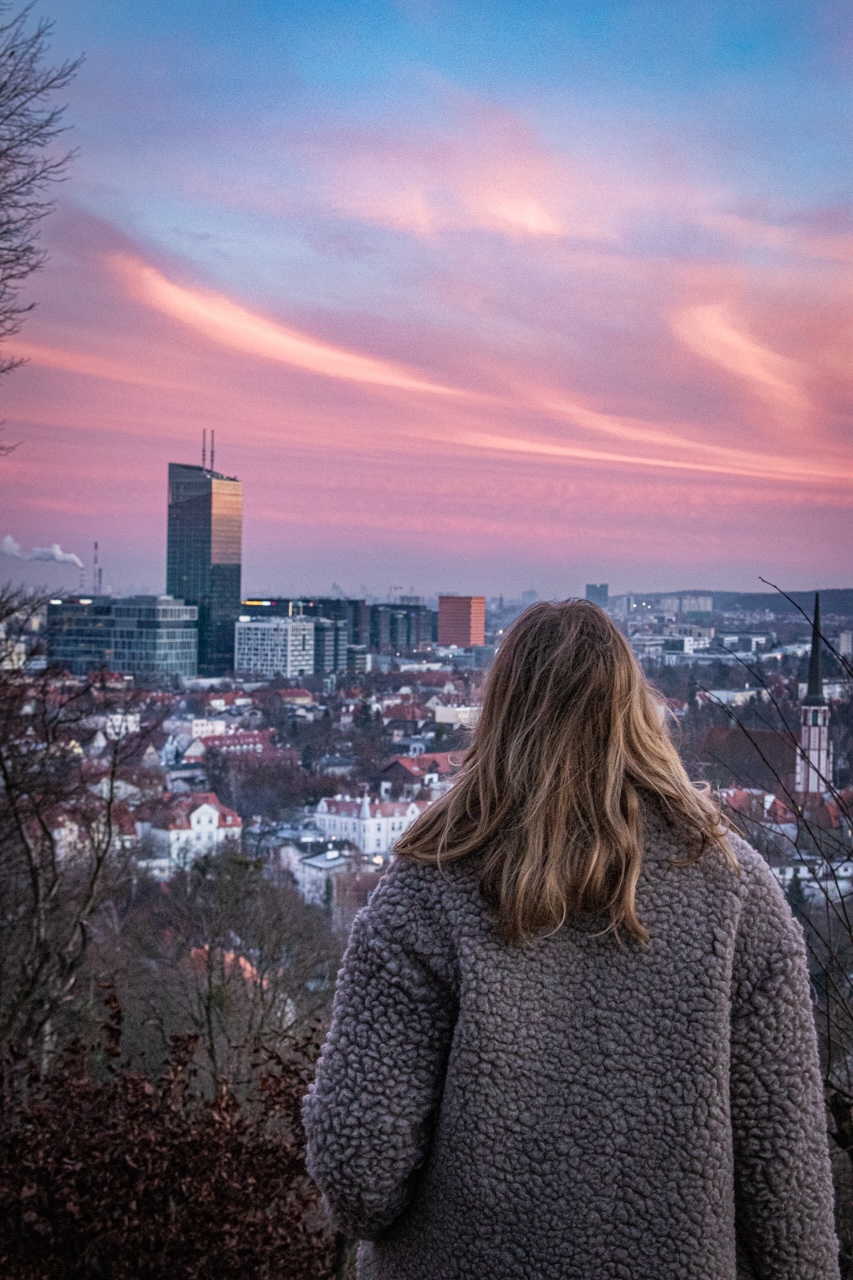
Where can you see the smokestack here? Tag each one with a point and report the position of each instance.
(204, 449)
(212, 446)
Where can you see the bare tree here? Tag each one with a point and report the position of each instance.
(29, 164)
(29, 124)
(820, 853)
(61, 847)
(225, 952)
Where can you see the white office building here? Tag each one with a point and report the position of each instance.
(274, 647)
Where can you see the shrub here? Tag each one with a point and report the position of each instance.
(106, 1174)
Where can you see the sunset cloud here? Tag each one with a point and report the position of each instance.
(486, 171)
(729, 462)
(493, 300)
(710, 331)
(86, 364)
(223, 321)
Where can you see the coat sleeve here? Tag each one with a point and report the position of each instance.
(783, 1182)
(380, 1075)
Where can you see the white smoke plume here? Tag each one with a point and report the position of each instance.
(56, 553)
(10, 547)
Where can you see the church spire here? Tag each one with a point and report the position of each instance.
(814, 757)
(814, 694)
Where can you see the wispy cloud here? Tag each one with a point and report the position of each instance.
(85, 363)
(710, 330)
(483, 169)
(729, 462)
(223, 321)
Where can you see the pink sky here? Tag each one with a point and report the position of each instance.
(494, 363)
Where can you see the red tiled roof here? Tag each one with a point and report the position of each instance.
(378, 808)
(394, 808)
(241, 738)
(176, 811)
(441, 762)
(405, 711)
(296, 695)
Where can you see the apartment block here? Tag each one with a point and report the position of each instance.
(269, 647)
(462, 620)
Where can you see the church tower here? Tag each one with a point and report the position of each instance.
(814, 758)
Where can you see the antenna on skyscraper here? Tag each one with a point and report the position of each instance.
(212, 438)
(95, 572)
(204, 449)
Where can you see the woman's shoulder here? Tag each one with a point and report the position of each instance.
(422, 906)
(734, 867)
(407, 887)
(670, 838)
(767, 921)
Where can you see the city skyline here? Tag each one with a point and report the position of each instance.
(474, 301)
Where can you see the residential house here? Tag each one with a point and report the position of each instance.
(186, 827)
(242, 742)
(373, 826)
(314, 864)
(408, 774)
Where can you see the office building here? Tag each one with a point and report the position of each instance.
(462, 620)
(353, 612)
(598, 593)
(404, 625)
(332, 619)
(696, 604)
(330, 646)
(269, 647)
(357, 659)
(204, 557)
(148, 637)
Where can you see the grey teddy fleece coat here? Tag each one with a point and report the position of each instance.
(575, 1109)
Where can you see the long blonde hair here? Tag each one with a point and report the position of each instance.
(570, 737)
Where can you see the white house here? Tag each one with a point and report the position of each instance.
(315, 864)
(202, 727)
(456, 717)
(118, 725)
(373, 826)
(187, 827)
(71, 836)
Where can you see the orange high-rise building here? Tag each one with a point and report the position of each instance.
(462, 620)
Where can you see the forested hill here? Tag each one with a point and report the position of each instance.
(835, 600)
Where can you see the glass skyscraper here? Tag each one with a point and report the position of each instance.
(150, 637)
(204, 557)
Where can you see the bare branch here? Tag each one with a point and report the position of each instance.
(29, 166)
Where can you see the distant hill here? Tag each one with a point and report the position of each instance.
(836, 600)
